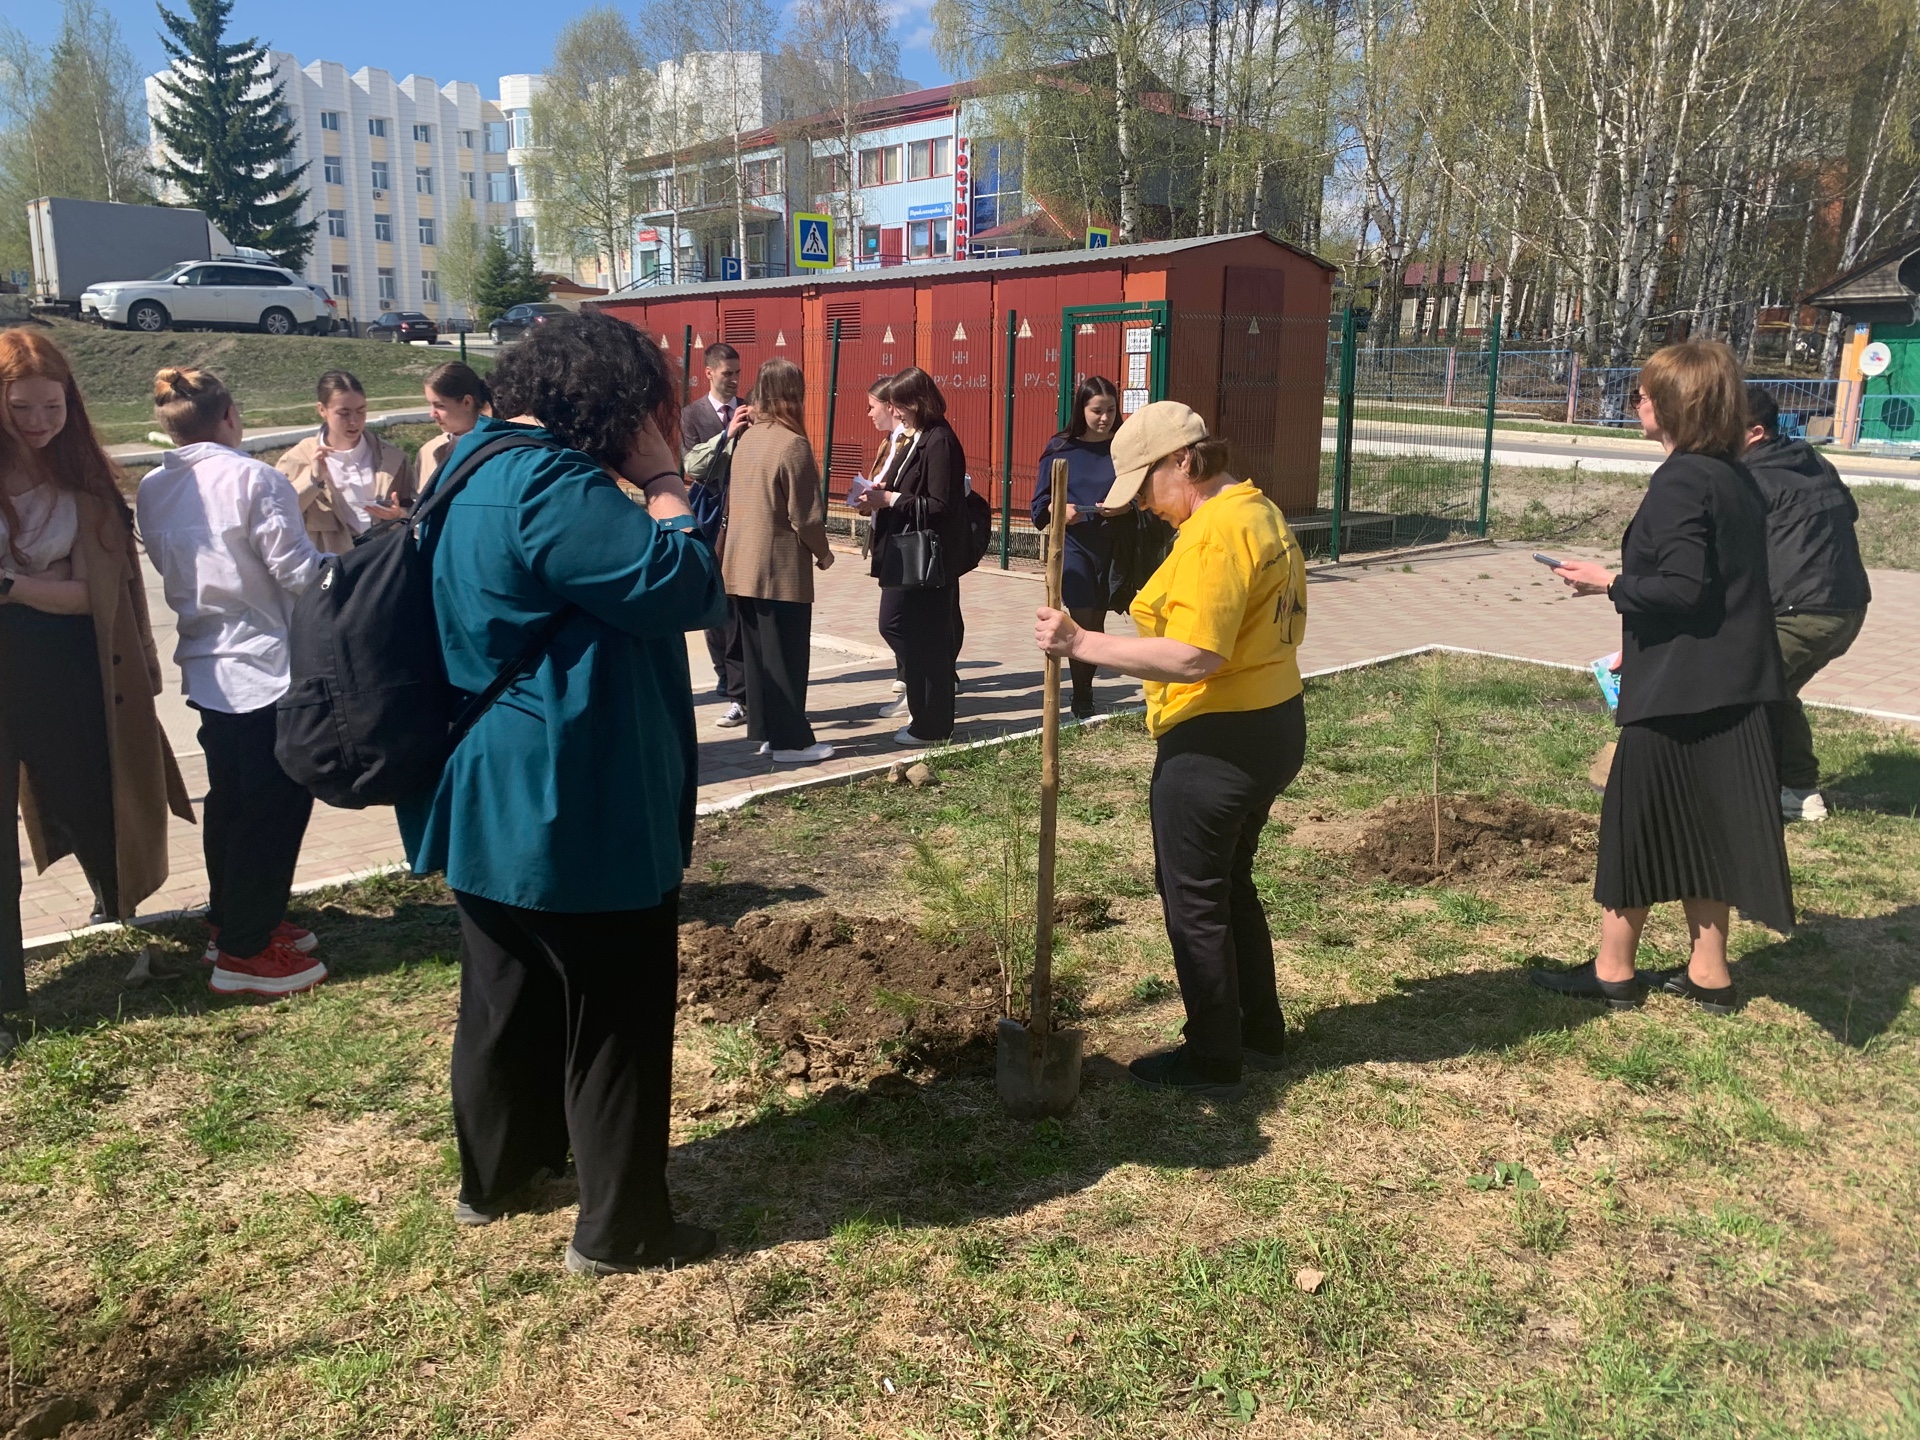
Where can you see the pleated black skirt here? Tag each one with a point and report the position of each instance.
(1692, 811)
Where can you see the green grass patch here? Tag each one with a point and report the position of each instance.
(1465, 1207)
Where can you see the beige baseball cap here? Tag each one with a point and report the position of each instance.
(1148, 437)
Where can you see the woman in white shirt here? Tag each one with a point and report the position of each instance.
(78, 671)
(225, 533)
(346, 478)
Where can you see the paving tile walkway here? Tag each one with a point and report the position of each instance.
(1492, 599)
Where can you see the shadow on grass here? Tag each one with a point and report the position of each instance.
(1886, 781)
(1853, 978)
(90, 982)
(945, 1153)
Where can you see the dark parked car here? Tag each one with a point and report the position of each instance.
(402, 325)
(520, 319)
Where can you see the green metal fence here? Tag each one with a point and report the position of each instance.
(1407, 457)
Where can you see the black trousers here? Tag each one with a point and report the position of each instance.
(54, 722)
(251, 827)
(775, 639)
(565, 1039)
(729, 663)
(919, 626)
(1214, 780)
(1092, 618)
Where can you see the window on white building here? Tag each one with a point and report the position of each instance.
(469, 187)
(329, 119)
(496, 137)
(927, 159)
(383, 227)
(522, 183)
(430, 286)
(333, 171)
(521, 122)
(337, 224)
(426, 230)
(380, 176)
(762, 177)
(342, 286)
(387, 293)
(500, 186)
(423, 181)
(466, 139)
(880, 166)
(377, 125)
(423, 133)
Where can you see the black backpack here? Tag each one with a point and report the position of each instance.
(369, 717)
(979, 536)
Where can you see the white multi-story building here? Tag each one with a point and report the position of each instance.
(389, 165)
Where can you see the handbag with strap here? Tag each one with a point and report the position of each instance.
(913, 558)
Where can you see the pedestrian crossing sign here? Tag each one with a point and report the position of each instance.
(812, 242)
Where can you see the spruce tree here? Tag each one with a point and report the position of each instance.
(505, 279)
(227, 138)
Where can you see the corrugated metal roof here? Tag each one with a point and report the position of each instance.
(960, 270)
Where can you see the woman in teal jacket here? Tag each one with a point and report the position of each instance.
(565, 817)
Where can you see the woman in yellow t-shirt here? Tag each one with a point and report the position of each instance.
(1218, 627)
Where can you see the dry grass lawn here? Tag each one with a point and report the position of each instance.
(1533, 1218)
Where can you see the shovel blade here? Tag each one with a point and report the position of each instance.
(1037, 1078)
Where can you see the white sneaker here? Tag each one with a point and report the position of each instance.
(1806, 805)
(766, 748)
(813, 754)
(908, 738)
(894, 709)
(899, 687)
(735, 716)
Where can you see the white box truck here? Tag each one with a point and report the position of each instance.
(77, 243)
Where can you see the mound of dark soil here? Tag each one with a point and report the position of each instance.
(108, 1388)
(1502, 837)
(843, 995)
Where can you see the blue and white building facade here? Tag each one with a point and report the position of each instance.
(929, 184)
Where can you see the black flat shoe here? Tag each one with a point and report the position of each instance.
(1582, 983)
(1264, 1051)
(1171, 1070)
(518, 1198)
(1723, 1001)
(684, 1245)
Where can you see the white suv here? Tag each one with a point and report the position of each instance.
(225, 294)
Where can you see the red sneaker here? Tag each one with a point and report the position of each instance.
(277, 970)
(285, 933)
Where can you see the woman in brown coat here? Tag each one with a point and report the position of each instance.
(82, 753)
(456, 397)
(775, 537)
(347, 478)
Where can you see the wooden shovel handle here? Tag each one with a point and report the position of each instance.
(1041, 1006)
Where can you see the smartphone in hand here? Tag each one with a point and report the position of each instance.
(1548, 561)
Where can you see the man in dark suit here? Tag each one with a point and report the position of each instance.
(721, 409)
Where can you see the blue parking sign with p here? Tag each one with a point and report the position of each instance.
(729, 267)
(812, 242)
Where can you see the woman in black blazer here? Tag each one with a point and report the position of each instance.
(923, 626)
(1692, 809)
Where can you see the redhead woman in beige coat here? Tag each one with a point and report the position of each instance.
(775, 538)
(78, 669)
(347, 478)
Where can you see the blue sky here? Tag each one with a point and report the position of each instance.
(474, 40)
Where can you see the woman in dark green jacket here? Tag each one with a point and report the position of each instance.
(565, 817)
